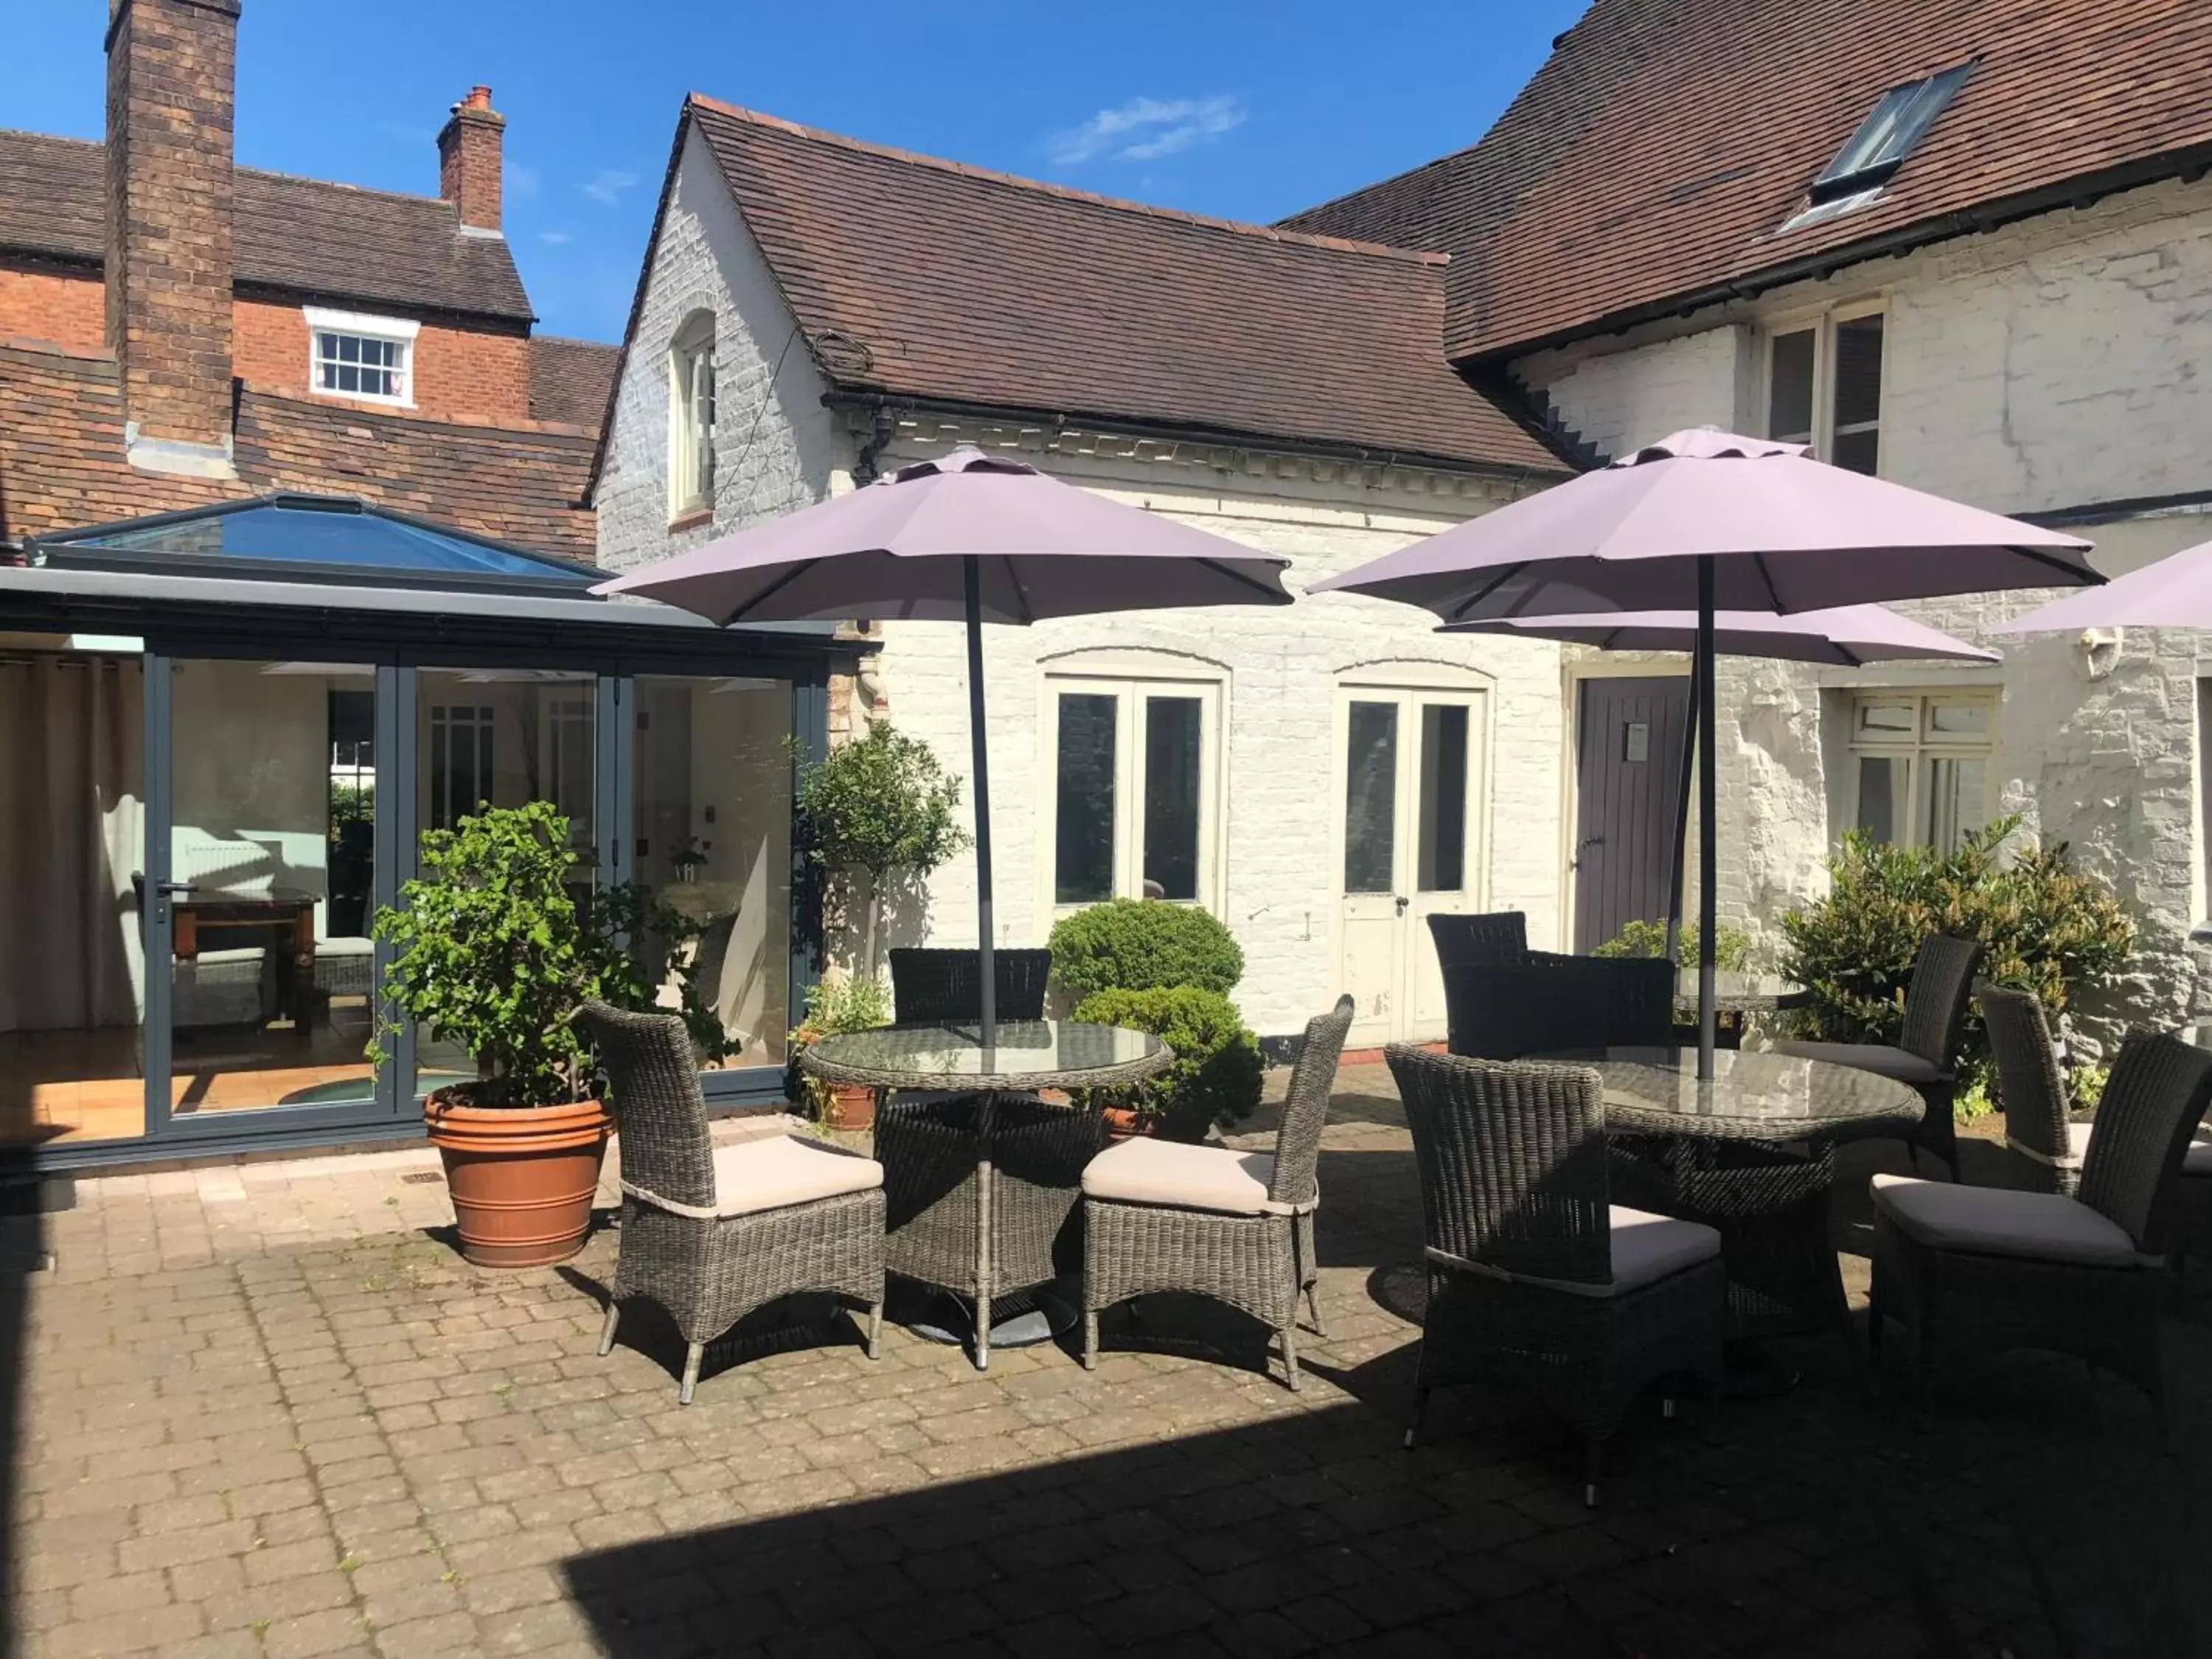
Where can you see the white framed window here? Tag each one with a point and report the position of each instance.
(1923, 771)
(1824, 386)
(1132, 771)
(353, 355)
(460, 760)
(691, 417)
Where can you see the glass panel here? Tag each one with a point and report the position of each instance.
(1174, 729)
(1960, 719)
(1443, 857)
(711, 823)
(1957, 802)
(1856, 451)
(1882, 780)
(1371, 803)
(1857, 392)
(72, 965)
(272, 969)
(1083, 858)
(1790, 390)
(503, 737)
(1882, 720)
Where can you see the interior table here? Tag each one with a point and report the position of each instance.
(981, 1173)
(1735, 997)
(1750, 1152)
(283, 922)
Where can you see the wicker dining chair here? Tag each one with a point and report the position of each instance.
(932, 987)
(1547, 1003)
(1215, 1222)
(1495, 936)
(1925, 1056)
(1980, 1270)
(1537, 1281)
(2046, 1147)
(711, 1232)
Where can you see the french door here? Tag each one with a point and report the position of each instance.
(1410, 778)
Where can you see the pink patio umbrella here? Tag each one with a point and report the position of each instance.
(1712, 521)
(967, 537)
(2174, 592)
(1849, 636)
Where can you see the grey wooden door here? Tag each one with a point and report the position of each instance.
(1628, 774)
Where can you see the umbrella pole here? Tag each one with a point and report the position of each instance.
(1708, 804)
(972, 578)
(1680, 871)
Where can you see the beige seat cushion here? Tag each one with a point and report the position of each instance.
(1876, 1057)
(772, 1172)
(1646, 1249)
(1141, 1170)
(1997, 1221)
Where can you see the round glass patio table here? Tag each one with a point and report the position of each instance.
(1737, 996)
(981, 1172)
(1751, 1153)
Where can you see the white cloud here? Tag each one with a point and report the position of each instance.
(607, 184)
(1146, 129)
(553, 238)
(523, 181)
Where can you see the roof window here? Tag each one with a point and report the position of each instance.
(1886, 136)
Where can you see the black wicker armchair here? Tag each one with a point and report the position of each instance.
(1536, 1279)
(1925, 1056)
(1235, 1226)
(1547, 1003)
(713, 1233)
(1980, 1270)
(1494, 937)
(2047, 1148)
(936, 987)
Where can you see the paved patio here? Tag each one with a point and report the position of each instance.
(262, 1411)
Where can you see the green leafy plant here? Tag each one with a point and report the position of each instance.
(876, 808)
(1144, 944)
(1648, 939)
(490, 951)
(1215, 1078)
(833, 1005)
(2048, 929)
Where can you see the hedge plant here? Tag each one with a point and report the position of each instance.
(1648, 939)
(1144, 944)
(2048, 929)
(1215, 1078)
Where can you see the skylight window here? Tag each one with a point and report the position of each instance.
(1886, 138)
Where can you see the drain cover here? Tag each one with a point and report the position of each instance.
(421, 1178)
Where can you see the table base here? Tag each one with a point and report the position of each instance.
(1025, 1319)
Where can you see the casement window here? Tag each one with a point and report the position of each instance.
(1132, 771)
(1923, 765)
(461, 761)
(350, 355)
(1824, 386)
(691, 417)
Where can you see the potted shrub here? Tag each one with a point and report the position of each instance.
(1215, 1078)
(873, 810)
(839, 1004)
(492, 953)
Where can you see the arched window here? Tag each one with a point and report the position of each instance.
(691, 417)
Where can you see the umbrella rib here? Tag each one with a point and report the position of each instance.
(2075, 571)
(1021, 595)
(770, 591)
(1275, 595)
(1766, 580)
(1460, 610)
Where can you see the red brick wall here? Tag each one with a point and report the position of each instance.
(61, 307)
(460, 374)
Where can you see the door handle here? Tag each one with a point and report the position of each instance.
(1402, 903)
(174, 888)
(1587, 842)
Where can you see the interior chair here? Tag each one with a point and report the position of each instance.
(713, 1233)
(1537, 1281)
(1925, 1056)
(1236, 1226)
(1975, 1271)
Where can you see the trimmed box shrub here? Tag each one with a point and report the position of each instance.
(1215, 1078)
(1144, 944)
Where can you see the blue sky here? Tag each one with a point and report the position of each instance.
(1246, 110)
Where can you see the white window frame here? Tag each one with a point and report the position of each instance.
(1129, 689)
(401, 331)
(691, 371)
(1925, 743)
(1821, 325)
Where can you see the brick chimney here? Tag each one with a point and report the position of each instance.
(170, 85)
(469, 161)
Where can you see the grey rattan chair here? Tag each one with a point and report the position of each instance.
(713, 1233)
(2191, 1231)
(1980, 1270)
(2047, 1148)
(932, 987)
(1925, 1056)
(1537, 1281)
(1235, 1226)
(1495, 936)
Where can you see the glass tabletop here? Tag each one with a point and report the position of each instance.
(1751, 1096)
(1739, 993)
(1030, 1054)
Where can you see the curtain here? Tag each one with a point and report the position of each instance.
(71, 835)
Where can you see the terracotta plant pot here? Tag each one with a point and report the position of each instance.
(521, 1176)
(1125, 1123)
(849, 1106)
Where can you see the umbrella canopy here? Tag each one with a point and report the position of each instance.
(898, 549)
(1848, 636)
(1783, 532)
(2175, 592)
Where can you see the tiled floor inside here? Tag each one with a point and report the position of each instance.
(264, 1412)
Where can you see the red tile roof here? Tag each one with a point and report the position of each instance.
(926, 279)
(302, 235)
(570, 379)
(1659, 151)
(62, 465)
